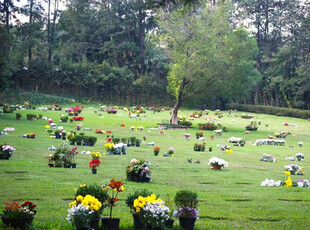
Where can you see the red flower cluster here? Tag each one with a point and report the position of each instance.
(78, 109)
(78, 118)
(94, 163)
(14, 206)
(98, 131)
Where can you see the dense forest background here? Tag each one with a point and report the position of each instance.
(104, 50)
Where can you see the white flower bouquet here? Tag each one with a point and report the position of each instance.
(214, 161)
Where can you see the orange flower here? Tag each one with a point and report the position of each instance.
(116, 185)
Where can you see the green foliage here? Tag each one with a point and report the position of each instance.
(186, 198)
(304, 114)
(93, 190)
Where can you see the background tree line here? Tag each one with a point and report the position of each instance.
(103, 50)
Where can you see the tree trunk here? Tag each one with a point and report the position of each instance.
(174, 115)
(48, 27)
(30, 22)
(141, 41)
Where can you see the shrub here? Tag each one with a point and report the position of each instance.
(278, 111)
(116, 140)
(208, 126)
(91, 140)
(185, 199)
(18, 116)
(31, 116)
(64, 119)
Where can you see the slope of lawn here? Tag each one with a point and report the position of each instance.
(231, 198)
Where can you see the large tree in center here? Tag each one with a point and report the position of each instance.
(205, 53)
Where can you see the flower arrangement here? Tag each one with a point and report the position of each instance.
(293, 169)
(15, 211)
(200, 147)
(111, 110)
(29, 135)
(152, 211)
(95, 162)
(138, 171)
(187, 203)
(83, 210)
(299, 156)
(300, 144)
(171, 151)
(209, 126)
(287, 183)
(78, 118)
(217, 162)
(268, 158)
(252, 126)
(115, 187)
(109, 146)
(6, 151)
(156, 150)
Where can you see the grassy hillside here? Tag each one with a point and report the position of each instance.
(228, 199)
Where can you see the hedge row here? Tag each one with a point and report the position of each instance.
(278, 111)
(17, 96)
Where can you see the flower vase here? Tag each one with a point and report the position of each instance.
(110, 223)
(94, 224)
(94, 171)
(18, 223)
(216, 167)
(187, 223)
(299, 158)
(136, 221)
(169, 223)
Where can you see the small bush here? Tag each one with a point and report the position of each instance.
(31, 116)
(186, 198)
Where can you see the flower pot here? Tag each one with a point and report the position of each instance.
(94, 171)
(94, 224)
(67, 166)
(299, 158)
(136, 221)
(73, 165)
(188, 223)
(169, 223)
(216, 167)
(110, 223)
(51, 165)
(18, 223)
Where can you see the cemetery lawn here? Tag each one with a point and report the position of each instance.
(231, 198)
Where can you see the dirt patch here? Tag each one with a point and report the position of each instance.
(239, 200)
(262, 219)
(13, 172)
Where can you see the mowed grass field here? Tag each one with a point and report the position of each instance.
(231, 198)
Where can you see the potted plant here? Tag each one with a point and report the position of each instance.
(217, 163)
(114, 188)
(95, 162)
(71, 139)
(197, 135)
(187, 203)
(156, 150)
(124, 140)
(6, 152)
(18, 116)
(92, 140)
(71, 120)
(116, 140)
(97, 192)
(83, 210)
(299, 156)
(64, 119)
(51, 160)
(171, 151)
(132, 141)
(146, 207)
(78, 139)
(137, 141)
(57, 134)
(130, 203)
(109, 147)
(63, 135)
(18, 216)
(139, 171)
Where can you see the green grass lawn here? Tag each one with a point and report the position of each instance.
(228, 199)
